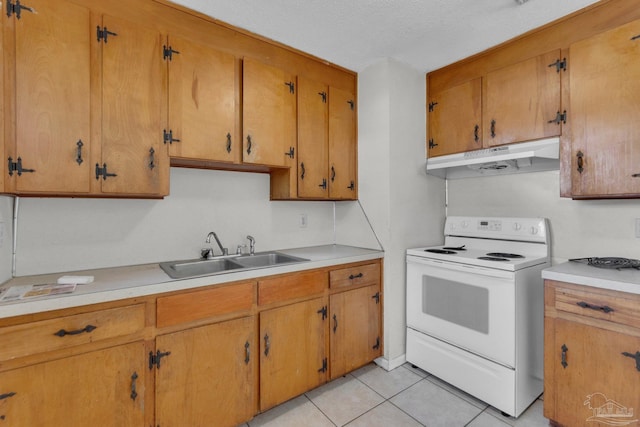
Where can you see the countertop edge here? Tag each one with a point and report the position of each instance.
(622, 281)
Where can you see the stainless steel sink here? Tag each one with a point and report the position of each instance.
(198, 267)
(208, 267)
(266, 259)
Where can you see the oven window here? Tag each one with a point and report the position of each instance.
(459, 303)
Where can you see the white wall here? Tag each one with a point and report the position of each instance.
(61, 234)
(579, 228)
(405, 207)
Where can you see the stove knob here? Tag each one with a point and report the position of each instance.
(534, 230)
(465, 224)
(517, 226)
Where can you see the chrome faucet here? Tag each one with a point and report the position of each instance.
(252, 245)
(224, 250)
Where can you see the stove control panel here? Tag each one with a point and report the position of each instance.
(525, 229)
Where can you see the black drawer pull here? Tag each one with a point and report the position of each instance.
(603, 308)
(563, 357)
(357, 276)
(87, 329)
(6, 395)
(635, 356)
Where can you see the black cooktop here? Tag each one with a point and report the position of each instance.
(610, 262)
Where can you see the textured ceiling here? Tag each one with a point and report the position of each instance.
(426, 34)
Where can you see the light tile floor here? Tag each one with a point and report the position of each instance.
(404, 397)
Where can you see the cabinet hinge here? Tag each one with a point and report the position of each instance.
(376, 297)
(432, 144)
(103, 34)
(377, 344)
(351, 104)
(167, 53)
(324, 97)
(560, 64)
(352, 186)
(323, 311)
(17, 8)
(292, 86)
(154, 359)
(432, 106)
(102, 171)
(168, 137)
(291, 153)
(17, 167)
(560, 118)
(324, 365)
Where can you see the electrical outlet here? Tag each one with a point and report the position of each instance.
(303, 220)
(638, 228)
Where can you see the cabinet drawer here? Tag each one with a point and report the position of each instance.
(611, 306)
(69, 331)
(291, 287)
(207, 303)
(368, 274)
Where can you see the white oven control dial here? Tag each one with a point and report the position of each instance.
(534, 230)
(517, 226)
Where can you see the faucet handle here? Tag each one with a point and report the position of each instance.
(252, 244)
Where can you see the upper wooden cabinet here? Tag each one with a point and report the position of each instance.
(454, 118)
(132, 110)
(88, 117)
(516, 103)
(202, 102)
(343, 171)
(49, 147)
(269, 115)
(522, 101)
(604, 114)
(326, 142)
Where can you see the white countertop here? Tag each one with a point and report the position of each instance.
(111, 284)
(625, 280)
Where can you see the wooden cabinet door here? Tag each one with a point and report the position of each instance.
(454, 117)
(343, 180)
(269, 115)
(101, 388)
(604, 88)
(292, 351)
(354, 329)
(202, 102)
(522, 101)
(133, 104)
(52, 98)
(209, 376)
(313, 143)
(599, 383)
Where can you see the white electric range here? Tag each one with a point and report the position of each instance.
(475, 308)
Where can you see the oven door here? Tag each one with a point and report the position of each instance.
(467, 306)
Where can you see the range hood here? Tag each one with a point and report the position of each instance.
(534, 156)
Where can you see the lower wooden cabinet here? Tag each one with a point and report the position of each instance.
(211, 356)
(355, 329)
(292, 350)
(592, 356)
(208, 374)
(99, 388)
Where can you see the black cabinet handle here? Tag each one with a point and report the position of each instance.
(335, 323)
(266, 344)
(6, 395)
(134, 393)
(302, 171)
(88, 329)
(476, 133)
(493, 128)
(357, 276)
(79, 152)
(152, 160)
(247, 353)
(603, 308)
(333, 174)
(563, 357)
(248, 144)
(580, 156)
(228, 143)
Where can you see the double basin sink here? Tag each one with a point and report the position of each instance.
(233, 263)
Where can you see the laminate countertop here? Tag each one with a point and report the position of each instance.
(112, 284)
(624, 280)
